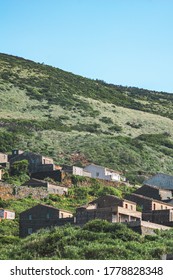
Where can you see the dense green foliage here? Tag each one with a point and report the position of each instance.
(96, 240)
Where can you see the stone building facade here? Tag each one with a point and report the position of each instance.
(56, 175)
(42, 216)
(37, 163)
(49, 187)
(163, 217)
(110, 208)
(147, 203)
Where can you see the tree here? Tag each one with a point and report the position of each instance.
(19, 168)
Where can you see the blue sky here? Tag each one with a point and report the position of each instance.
(125, 42)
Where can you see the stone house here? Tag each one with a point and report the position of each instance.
(75, 170)
(110, 208)
(154, 192)
(163, 181)
(104, 173)
(37, 163)
(7, 214)
(147, 203)
(42, 216)
(51, 188)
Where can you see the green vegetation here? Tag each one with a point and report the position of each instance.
(59, 114)
(96, 240)
(76, 120)
(18, 173)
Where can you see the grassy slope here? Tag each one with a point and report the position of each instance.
(78, 120)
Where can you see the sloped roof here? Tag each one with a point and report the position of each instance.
(148, 198)
(47, 206)
(107, 200)
(160, 180)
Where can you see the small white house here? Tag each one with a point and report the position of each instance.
(103, 173)
(7, 214)
(75, 170)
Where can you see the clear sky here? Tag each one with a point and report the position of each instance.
(125, 42)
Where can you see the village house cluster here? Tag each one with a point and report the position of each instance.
(148, 208)
(41, 167)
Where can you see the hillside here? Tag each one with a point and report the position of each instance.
(97, 240)
(79, 120)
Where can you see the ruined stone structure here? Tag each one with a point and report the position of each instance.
(37, 163)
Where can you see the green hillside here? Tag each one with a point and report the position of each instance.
(98, 240)
(79, 120)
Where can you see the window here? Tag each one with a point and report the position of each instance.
(131, 207)
(30, 231)
(126, 205)
(97, 174)
(62, 215)
(154, 206)
(30, 217)
(48, 215)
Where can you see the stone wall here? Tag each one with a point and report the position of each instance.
(55, 175)
(36, 193)
(146, 228)
(6, 191)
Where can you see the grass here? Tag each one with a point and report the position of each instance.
(50, 111)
